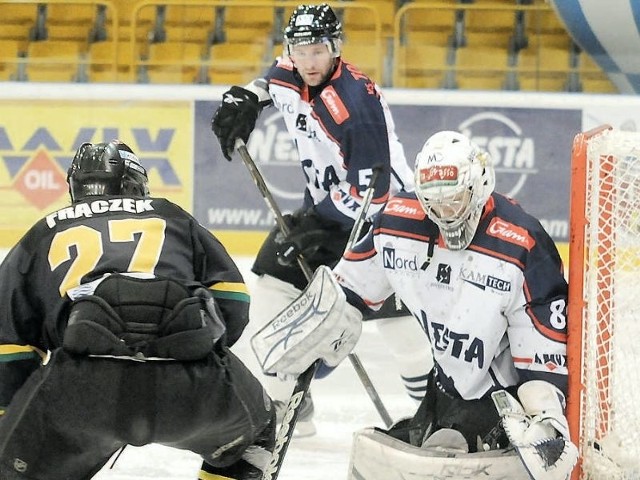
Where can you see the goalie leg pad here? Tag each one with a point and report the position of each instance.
(319, 324)
(377, 456)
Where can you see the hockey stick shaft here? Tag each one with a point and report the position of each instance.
(353, 238)
(303, 381)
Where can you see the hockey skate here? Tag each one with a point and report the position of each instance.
(304, 426)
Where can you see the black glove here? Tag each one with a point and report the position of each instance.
(235, 118)
(318, 240)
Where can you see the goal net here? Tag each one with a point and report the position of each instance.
(604, 304)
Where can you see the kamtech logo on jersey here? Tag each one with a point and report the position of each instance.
(395, 260)
(484, 281)
(38, 167)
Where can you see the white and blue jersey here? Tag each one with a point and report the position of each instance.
(495, 313)
(341, 129)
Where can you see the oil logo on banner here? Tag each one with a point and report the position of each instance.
(38, 141)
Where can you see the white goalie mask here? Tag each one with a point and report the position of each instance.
(454, 179)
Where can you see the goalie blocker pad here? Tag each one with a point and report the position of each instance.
(319, 324)
(378, 456)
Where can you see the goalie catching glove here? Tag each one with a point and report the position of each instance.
(538, 429)
(235, 118)
(319, 324)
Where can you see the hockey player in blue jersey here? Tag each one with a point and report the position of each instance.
(485, 282)
(341, 126)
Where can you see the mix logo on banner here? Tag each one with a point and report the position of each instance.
(38, 168)
(37, 146)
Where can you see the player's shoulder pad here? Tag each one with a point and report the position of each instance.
(510, 224)
(404, 216)
(351, 95)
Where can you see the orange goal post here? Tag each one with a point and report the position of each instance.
(603, 402)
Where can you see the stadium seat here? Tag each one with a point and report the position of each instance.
(126, 10)
(415, 62)
(480, 67)
(356, 19)
(414, 22)
(542, 84)
(248, 24)
(9, 58)
(69, 21)
(367, 57)
(235, 61)
(53, 61)
(184, 23)
(106, 64)
(16, 21)
(173, 62)
(545, 59)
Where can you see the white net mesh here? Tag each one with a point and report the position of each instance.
(610, 437)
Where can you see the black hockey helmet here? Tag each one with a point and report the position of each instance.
(311, 24)
(106, 169)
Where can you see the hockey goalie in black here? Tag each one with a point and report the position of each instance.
(118, 312)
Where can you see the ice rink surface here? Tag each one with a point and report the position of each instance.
(342, 407)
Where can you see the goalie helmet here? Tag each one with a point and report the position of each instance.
(311, 24)
(106, 169)
(454, 179)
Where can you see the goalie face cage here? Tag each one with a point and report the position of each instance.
(604, 312)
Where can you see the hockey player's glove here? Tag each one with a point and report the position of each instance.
(537, 428)
(235, 118)
(317, 240)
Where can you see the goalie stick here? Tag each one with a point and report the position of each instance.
(303, 381)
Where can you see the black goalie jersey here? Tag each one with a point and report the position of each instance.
(87, 240)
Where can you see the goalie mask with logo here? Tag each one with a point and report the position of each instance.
(454, 179)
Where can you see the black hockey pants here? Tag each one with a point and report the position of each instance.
(73, 414)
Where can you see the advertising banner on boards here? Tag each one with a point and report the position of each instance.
(38, 141)
(532, 161)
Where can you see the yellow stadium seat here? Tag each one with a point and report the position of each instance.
(53, 61)
(495, 38)
(354, 19)
(544, 60)
(236, 55)
(19, 14)
(477, 81)
(542, 84)
(9, 52)
(16, 21)
(413, 62)
(489, 20)
(598, 85)
(367, 57)
(235, 63)
(544, 22)
(481, 68)
(419, 19)
(103, 62)
(172, 62)
(126, 11)
(258, 16)
(480, 58)
(189, 23)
